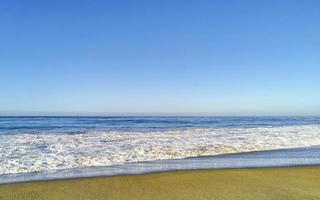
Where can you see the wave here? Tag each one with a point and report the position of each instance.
(44, 152)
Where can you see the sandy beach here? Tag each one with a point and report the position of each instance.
(261, 183)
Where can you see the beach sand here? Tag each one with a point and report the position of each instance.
(268, 183)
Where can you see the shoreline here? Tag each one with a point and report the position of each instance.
(161, 172)
(292, 157)
(256, 183)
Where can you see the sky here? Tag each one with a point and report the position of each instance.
(170, 57)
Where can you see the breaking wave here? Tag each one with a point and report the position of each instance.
(44, 152)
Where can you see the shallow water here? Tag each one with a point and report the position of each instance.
(273, 158)
(50, 144)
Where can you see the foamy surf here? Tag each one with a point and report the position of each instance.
(36, 152)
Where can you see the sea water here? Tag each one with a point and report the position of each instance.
(51, 146)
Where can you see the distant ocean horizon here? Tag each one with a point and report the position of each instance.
(37, 144)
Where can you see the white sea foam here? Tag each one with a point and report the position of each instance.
(45, 152)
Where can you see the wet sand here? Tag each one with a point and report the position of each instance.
(261, 183)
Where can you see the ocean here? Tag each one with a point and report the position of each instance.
(36, 148)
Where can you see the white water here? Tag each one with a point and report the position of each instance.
(45, 152)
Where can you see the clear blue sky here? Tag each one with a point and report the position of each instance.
(160, 57)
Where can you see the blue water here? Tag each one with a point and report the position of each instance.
(36, 148)
(16, 125)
